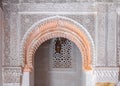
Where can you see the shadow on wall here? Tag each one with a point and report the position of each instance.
(1, 4)
(41, 66)
(57, 69)
(105, 84)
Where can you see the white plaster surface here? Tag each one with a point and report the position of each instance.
(99, 17)
(26, 79)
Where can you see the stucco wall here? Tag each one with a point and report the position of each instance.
(95, 17)
(99, 17)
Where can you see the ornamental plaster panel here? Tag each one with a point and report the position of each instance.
(87, 20)
(100, 40)
(11, 36)
(101, 30)
(107, 74)
(111, 36)
(14, 40)
(11, 1)
(6, 47)
(11, 76)
(26, 21)
(118, 41)
(106, 34)
(57, 7)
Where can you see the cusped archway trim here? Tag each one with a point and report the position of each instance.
(57, 27)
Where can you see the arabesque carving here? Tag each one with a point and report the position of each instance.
(57, 27)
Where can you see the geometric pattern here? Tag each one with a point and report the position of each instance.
(11, 75)
(106, 74)
(62, 59)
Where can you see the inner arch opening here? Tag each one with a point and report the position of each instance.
(57, 27)
(57, 67)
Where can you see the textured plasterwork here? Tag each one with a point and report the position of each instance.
(104, 21)
(6, 47)
(87, 20)
(11, 36)
(11, 75)
(111, 35)
(14, 40)
(16, 10)
(107, 74)
(57, 1)
(56, 34)
(100, 33)
(57, 7)
(31, 13)
(118, 40)
(106, 35)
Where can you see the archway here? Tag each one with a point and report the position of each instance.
(59, 68)
(57, 27)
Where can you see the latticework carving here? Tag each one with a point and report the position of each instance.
(11, 75)
(62, 59)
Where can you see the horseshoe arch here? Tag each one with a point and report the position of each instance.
(57, 27)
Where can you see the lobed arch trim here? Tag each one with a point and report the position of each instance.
(57, 27)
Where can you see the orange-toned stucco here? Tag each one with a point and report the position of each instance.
(57, 28)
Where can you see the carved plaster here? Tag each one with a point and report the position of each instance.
(107, 74)
(57, 27)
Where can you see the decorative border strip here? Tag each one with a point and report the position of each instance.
(107, 74)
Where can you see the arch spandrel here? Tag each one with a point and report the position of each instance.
(58, 27)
